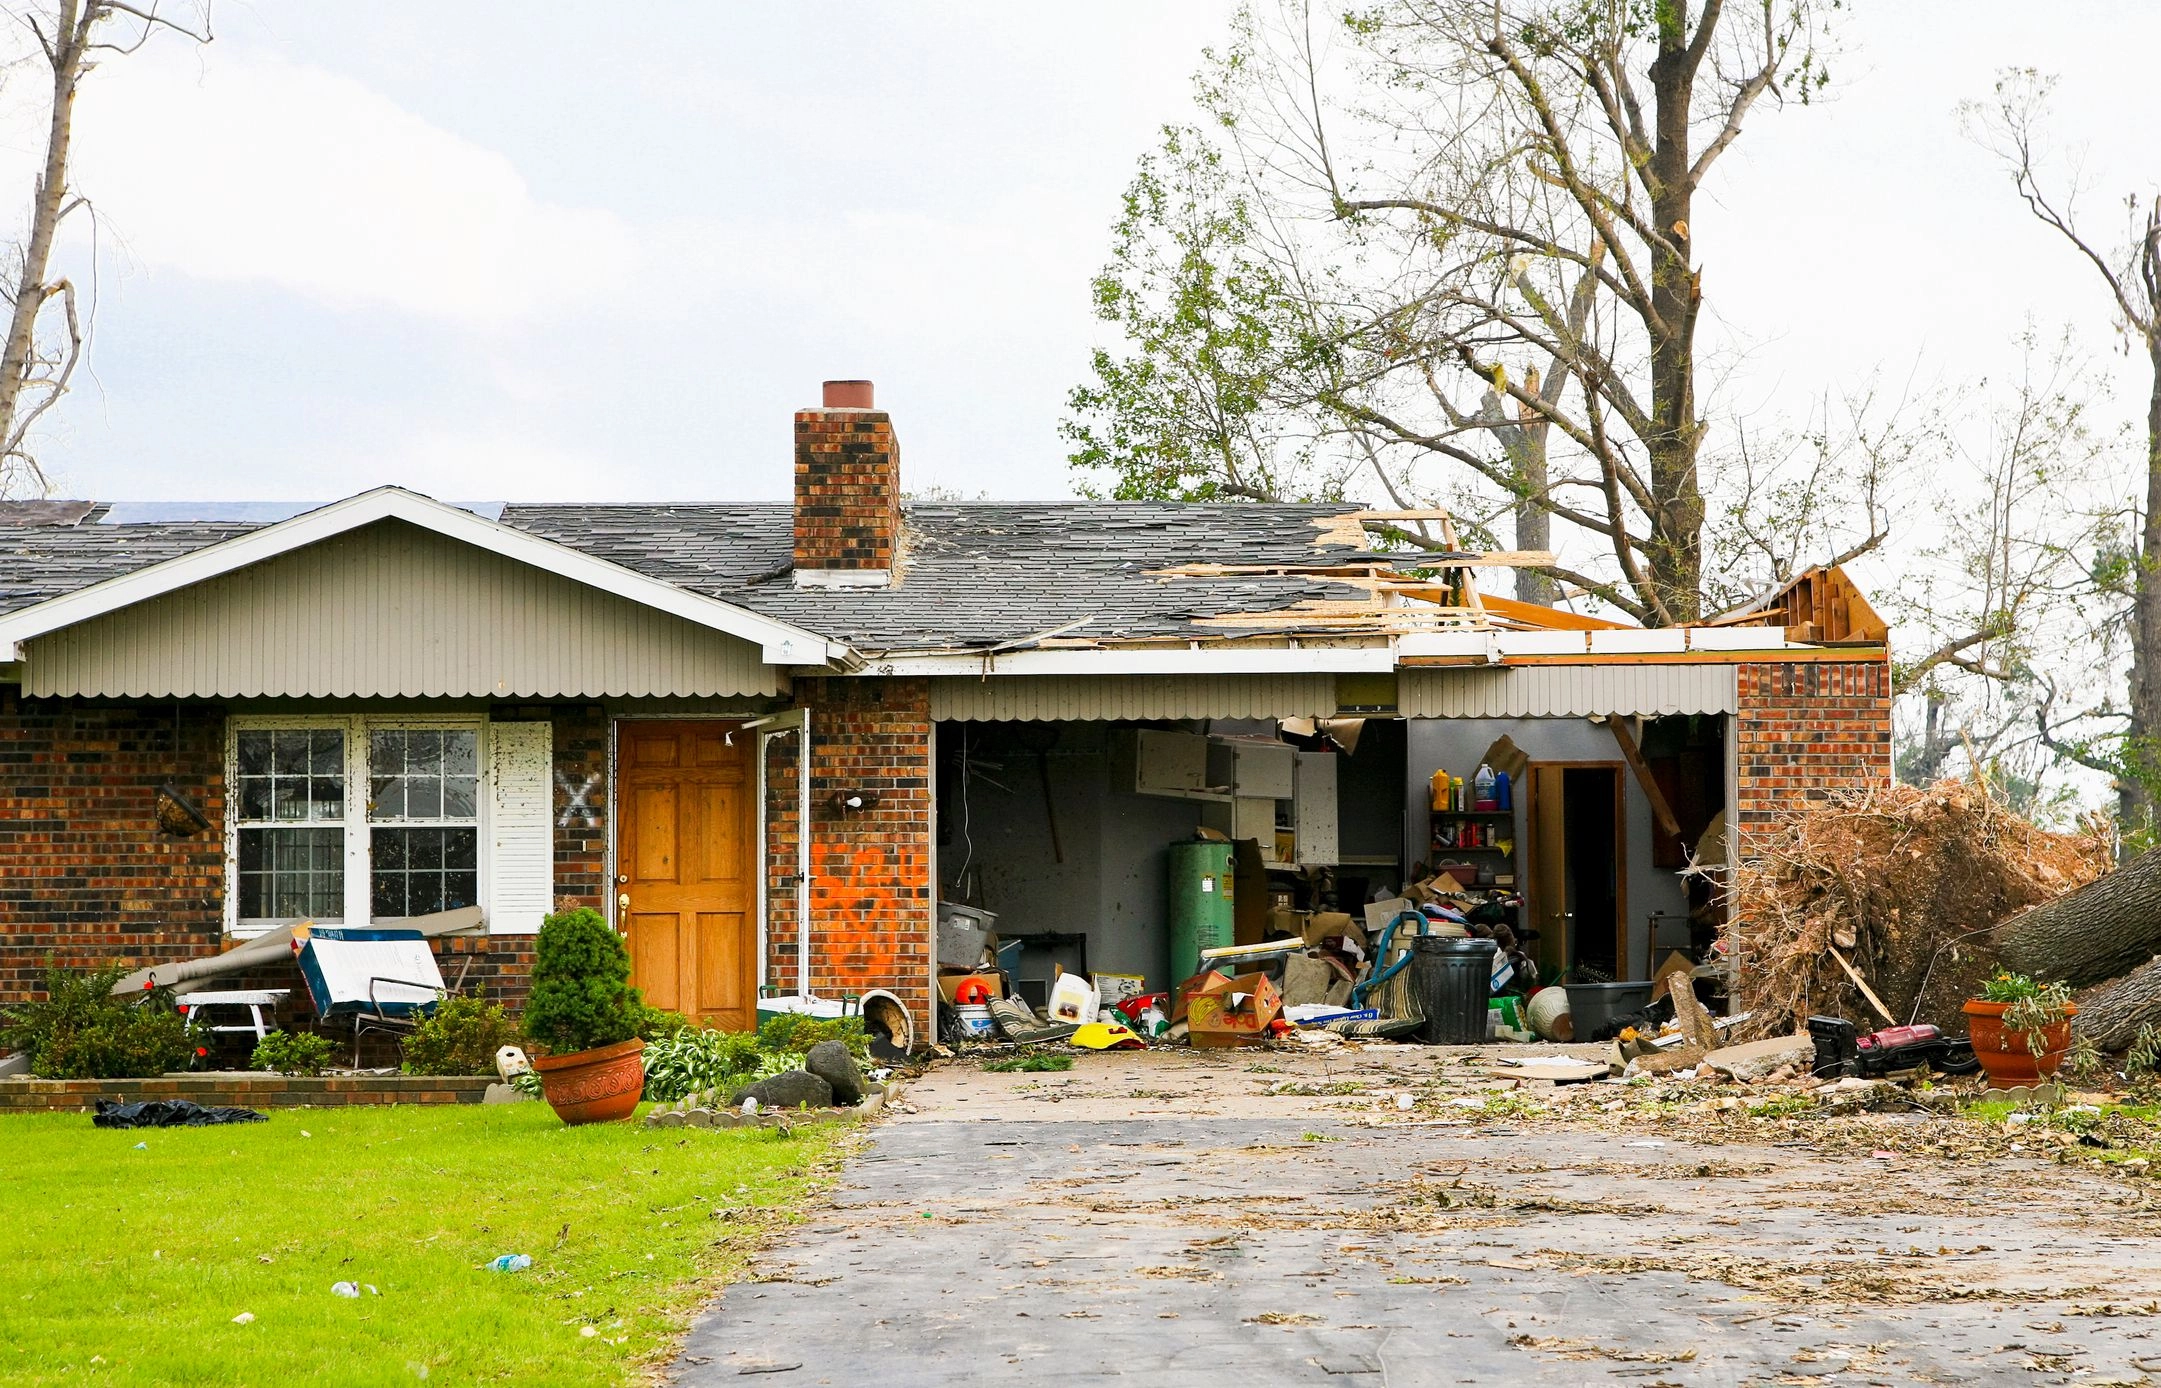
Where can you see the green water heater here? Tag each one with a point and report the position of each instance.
(1201, 912)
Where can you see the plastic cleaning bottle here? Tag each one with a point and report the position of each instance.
(1482, 788)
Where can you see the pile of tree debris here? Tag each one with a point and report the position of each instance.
(1922, 893)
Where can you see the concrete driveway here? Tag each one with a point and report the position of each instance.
(1249, 1219)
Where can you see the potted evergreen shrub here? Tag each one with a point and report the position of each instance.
(2021, 1029)
(585, 1013)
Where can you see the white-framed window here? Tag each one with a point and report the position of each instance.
(354, 819)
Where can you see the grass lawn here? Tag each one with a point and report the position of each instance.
(127, 1266)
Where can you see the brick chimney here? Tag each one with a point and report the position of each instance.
(847, 491)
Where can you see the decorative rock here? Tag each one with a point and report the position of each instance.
(699, 1118)
(786, 1090)
(830, 1061)
(664, 1118)
(505, 1094)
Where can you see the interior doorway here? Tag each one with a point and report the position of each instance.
(685, 868)
(1579, 868)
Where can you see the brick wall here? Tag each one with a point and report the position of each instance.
(86, 876)
(847, 489)
(871, 906)
(1805, 730)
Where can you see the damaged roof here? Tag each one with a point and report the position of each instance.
(974, 576)
(978, 575)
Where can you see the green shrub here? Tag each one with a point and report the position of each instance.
(686, 1061)
(291, 1053)
(657, 1022)
(795, 1033)
(460, 1038)
(82, 1032)
(581, 995)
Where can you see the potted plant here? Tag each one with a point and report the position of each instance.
(584, 1011)
(2021, 1029)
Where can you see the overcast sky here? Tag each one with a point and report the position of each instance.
(498, 251)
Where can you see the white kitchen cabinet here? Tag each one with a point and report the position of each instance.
(1156, 761)
(1313, 809)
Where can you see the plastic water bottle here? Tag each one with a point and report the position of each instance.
(512, 1262)
(345, 1289)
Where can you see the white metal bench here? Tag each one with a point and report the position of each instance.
(254, 1000)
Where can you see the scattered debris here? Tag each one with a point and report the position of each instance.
(1916, 879)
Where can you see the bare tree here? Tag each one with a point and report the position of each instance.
(2010, 124)
(45, 334)
(1502, 192)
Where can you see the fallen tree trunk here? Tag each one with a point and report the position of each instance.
(2110, 1016)
(2102, 931)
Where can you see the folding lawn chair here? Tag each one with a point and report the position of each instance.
(385, 980)
(1387, 988)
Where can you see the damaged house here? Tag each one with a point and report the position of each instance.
(768, 741)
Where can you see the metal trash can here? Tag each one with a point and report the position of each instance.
(1452, 979)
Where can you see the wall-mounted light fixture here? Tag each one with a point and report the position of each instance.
(177, 814)
(845, 802)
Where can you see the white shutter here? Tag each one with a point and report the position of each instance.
(521, 826)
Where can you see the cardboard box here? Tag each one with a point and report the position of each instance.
(1226, 1011)
(1329, 925)
(1183, 993)
(1282, 920)
(949, 983)
(1112, 989)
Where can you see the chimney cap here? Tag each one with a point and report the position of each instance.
(848, 395)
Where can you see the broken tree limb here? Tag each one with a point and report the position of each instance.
(1862, 984)
(1660, 810)
(2101, 931)
(2110, 1015)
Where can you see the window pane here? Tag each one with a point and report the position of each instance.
(288, 874)
(461, 753)
(254, 753)
(289, 754)
(389, 797)
(255, 797)
(416, 872)
(423, 774)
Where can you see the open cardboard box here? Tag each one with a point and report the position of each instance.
(949, 983)
(1226, 1011)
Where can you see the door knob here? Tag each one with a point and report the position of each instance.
(622, 902)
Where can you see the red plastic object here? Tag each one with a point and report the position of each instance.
(1132, 1008)
(971, 993)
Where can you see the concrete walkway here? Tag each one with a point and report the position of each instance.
(1185, 1219)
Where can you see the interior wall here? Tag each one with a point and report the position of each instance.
(1110, 885)
(1458, 744)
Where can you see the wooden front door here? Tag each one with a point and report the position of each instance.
(685, 863)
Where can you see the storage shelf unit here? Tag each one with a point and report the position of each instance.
(1493, 860)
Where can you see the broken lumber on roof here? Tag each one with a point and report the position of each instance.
(1407, 559)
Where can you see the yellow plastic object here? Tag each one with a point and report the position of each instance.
(1104, 1036)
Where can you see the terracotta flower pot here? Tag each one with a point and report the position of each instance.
(2005, 1054)
(597, 1086)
